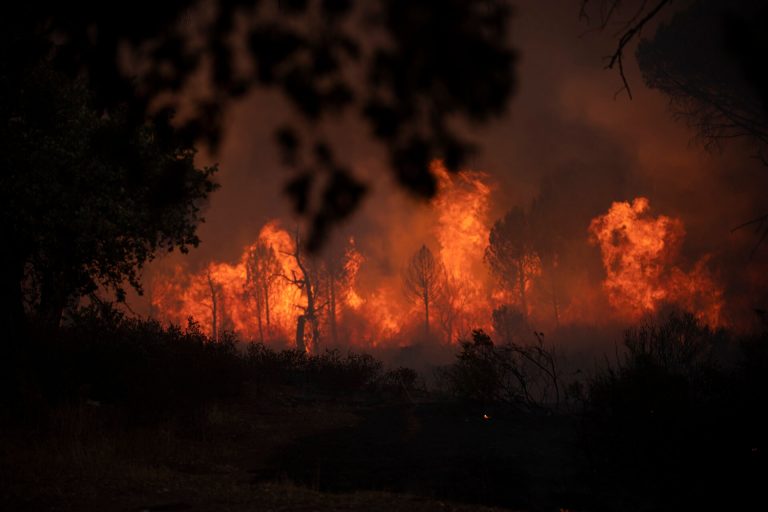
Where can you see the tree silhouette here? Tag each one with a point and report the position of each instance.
(307, 282)
(335, 275)
(548, 242)
(708, 61)
(511, 255)
(87, 198)
(403, 67)
(262, 268)
(630, 27)
(728, 34)
(423, 280)
(216, 296)
(694, 60)
(450, 304)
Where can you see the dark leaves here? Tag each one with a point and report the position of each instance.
(335, 9)
(384, 118)
(298, 189)
(341, 194)
(289, 144)
(406, 68)
(271, 46)
(411, 163)
(341, 197)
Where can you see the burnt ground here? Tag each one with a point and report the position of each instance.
(445, 452)
(297, 453)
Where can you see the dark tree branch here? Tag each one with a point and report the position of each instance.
(632, 27)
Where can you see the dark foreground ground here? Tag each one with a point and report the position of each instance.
(123, 414)
(292, 452)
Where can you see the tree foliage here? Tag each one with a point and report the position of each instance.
(511, 255)
(696, 61)
(706, 59)
(405, 68)
(87, 197)
(262, 269)
(424, 280)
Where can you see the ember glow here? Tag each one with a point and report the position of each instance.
(263, 295)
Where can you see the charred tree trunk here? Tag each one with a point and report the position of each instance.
(426, 313)
(315, 333)
(332, 308)
(254, 290)
(310, 313)
(266, 303)
(214, 309)
(300, 346)
(258, 318)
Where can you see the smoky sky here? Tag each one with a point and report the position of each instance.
(565, 126)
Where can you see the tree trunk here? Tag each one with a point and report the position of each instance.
(259, 300)
(309, 312)
(315, 334)
(426, 314)
(300, 334)
(332, 309)
(214, 309)
(214, 327)
(266, 302)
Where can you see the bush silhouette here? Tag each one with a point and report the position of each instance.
(680, 416)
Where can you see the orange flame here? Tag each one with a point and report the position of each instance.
(352, 268)
(219, 293)
(462, 229)
(638, 253)
(263, 294)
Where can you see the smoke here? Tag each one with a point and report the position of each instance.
(567, 143)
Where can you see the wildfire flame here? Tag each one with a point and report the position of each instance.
(219, 293)
(264, 294)
(462, 229)
(639, 253)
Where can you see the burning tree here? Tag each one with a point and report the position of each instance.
(452, 305)
(216, 307)
(262, 268)
(424, 280)
(338, 269)
(307, 282)
(511, 255)
(640, 253)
